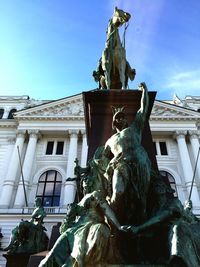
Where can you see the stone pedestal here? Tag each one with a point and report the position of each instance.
(98, 115)
(35, 259)
(16, 260)
(54, 235)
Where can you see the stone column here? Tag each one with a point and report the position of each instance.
(186, 165)
(84, 150)
(194, 140)
(70, 186)
(9, 182)
(27, 168)
(10, 145)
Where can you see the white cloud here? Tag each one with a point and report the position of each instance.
(185, 82)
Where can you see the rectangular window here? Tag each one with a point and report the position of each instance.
(49, 150)
(59, 148)
(154, 148)
(163, 148)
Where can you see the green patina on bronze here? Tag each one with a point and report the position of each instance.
(29, 236)
(112, 221)
(113, 70)
(86, 240)
(113, 224)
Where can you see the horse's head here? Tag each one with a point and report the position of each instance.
(120, 17)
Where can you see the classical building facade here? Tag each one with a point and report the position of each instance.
(40, 140)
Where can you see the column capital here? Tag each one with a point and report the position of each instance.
(194, 134)
(20, 133)
(34, 133)
(180, 134)
(83, 132)
(73, 133)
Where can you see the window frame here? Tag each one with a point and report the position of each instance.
(158, 148)
(167, 175)
(43, 187)
(55, 145)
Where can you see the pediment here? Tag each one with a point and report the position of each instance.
(65, 108)
(72, 107)
(162, 110)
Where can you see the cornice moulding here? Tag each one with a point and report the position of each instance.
(50, 118)
(8, 124)
(175, 118)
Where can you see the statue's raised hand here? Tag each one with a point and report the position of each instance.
(142, 86)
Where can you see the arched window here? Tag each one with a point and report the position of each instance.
(10, 115)
(1, 113)
(169, 180)
(49, 188)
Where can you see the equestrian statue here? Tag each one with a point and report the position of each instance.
(113, 70)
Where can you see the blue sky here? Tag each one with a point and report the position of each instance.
(49, 48)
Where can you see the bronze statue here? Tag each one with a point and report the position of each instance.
(29, 236)
(129, 168)
(172, 230)
(86, 240)
(117, 185)
(113, 69)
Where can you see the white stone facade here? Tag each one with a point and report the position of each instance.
(38, 124)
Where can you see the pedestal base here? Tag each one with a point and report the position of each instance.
(35, 259)
(54, 235)
(17, 260)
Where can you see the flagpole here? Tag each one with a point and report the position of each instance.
(195, 168)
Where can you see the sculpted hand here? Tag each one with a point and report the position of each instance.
(129, 228)
(142, 86)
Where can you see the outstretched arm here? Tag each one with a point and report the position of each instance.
(144, 105)
(173, 212)
(110, 214)
(151, 222)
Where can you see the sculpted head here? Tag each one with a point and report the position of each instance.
(188, 204)
(38, 202)
(119, 119)
(120, 17)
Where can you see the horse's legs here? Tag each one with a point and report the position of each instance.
(122, 69)
(107, 79)
(106, 69)
(121, 59)
(106, 66)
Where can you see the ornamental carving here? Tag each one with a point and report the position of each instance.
(70, 109)
(67, 109)
(160, 111)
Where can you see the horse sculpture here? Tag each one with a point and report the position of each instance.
(113, 69)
